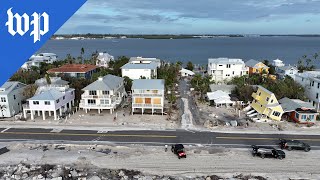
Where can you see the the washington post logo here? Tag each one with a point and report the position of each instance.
(21, 24)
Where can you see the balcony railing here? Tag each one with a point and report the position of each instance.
(147, 105)
(147, 94)
(83, 105)
(95, 96)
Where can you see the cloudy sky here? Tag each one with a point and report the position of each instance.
(196, 17)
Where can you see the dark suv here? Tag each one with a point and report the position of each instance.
(294, 144)
(267, 152)
(178, 149)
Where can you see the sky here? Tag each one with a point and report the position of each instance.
(195, 17)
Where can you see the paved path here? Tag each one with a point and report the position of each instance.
(151, 137)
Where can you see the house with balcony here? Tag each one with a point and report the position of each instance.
(266, 105)
(257, 67)
(148, 96)
(11, 98)
(36, 60)
(284, 71)
(106, 93)
(103, 60)
(144, 60)
(52, 98)
(222, 69)
(298, 111)
(277, 63)
(140, 70)
(74, 70)
(310, 80)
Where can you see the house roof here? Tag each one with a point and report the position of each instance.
(187, 71)
(289, 105)
(217, 95)
(73, 68)
(10, 86)
(151, 65)
(108, 82)
(252, 63)
(157, 84)
(223, 87)
(49, 95)
(284, 68)
(54, 81)
(143, 59)
(264, 89)
(223, 60)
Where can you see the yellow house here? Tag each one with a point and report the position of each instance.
(256, 67)
(266, 104)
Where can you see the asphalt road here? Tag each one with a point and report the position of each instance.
(152, 137)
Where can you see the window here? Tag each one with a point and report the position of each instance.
(304, 117)
(318, 85)
(3, 99)
(228, 65)
(312, 83)
(58, 100)
(227, 75)
(105, 92)
(317, 96)
(93, 93)
(259, 93)
(297, 115)
(36, 102)
(276, 113)
(267, 99)
(64, 97)
(71, 92)
(232, 72)
(91, 101)
(14, 97)
(104, 101)
(311, 117)
(271, 101)
(47, 103)
(220, 64)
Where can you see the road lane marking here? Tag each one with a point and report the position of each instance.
(253, 138)
(105, 135)
(5, 130)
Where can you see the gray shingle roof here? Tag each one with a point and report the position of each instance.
(49, 95)
(293, 104)
(10, 86)
(108, 82)
(156, 84)
(151, 65)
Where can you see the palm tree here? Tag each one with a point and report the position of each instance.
(2, 109)
(82, 52)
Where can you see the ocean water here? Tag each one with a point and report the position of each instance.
(288, 49)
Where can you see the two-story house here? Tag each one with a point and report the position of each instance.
(148, 94)
(277, 63)
(284, 71)
(256, 67)
(142, 60)
(74, 70)
(11, 98)
(53, 96)
(103, 60)
(266, 104)
(36, 60)
(140, 70)
(105, 93)
(310, 80)
(225, 69)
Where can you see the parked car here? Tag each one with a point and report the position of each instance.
(294, 144)
(267, 152)
(178, 149)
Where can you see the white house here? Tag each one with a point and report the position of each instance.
(51, 97)
(11, 97)
(140, 70)
(142, 60)
(103, 60)
(225, 69)
(310, 80)
(148, 94)
(284, 71)
(186, 72)
(36, 60)
(277, 63)
(105, 93)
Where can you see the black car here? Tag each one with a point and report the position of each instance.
(178, 149)
(294, 144)
(267, 152)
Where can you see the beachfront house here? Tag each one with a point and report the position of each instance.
(310, 80)
(284, 71)
(148, 94)
(103, 60)
(186, 73)
(256, 67)
(225, 69)
(53, 97)
(142, 60)
(266, 105)
(277, 63)
(140, 70)
(106, 93)
(74, 70)
(11, 98)
(36, 60)
(298, 111)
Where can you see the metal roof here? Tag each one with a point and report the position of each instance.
(151, 65)
(289, 105)
(10, 86)
(49, 95)
(108, 82)
(284, 68)
(54, 81)
(156, 84)
(223, 60)
(223, 87)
